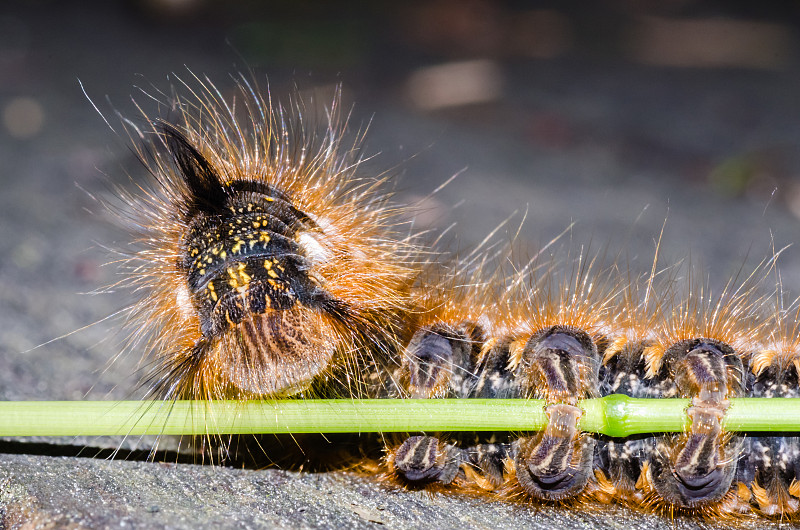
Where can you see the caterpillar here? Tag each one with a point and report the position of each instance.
(591, 332)
(270, 269)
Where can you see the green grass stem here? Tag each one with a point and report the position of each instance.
(614, 415)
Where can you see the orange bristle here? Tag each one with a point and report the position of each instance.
(734, 317)
(543, 295)
(260, 201)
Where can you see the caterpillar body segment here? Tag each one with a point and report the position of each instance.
(451, 355)
(641, 304)
(465, 462)
(559, 364)
(768, 471)
(620, 462)
(697, 468)
(558, 318)
(700, 352)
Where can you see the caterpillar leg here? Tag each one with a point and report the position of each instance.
(424, 459)
(697, 468)
(439, 360)
(560, 364)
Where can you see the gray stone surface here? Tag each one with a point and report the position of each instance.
(116, 494)
(613, 146)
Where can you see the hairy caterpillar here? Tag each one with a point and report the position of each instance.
(596, 333)
(210, 301)
(267, 265)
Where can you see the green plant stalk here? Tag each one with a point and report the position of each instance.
(614, 415)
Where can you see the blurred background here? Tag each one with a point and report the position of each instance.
(613, 115)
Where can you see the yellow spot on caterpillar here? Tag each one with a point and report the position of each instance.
(223, 254)
(606, 489)
(201, 272)
(211, 291)
(234, 281)
(515, 350)
(744, 492)
(272, 273)
(478, 479)
(264, 237)
(487, 348)
(243, 275)
(653, 356)
(267, 264)
(256, 224)
(237, 247)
